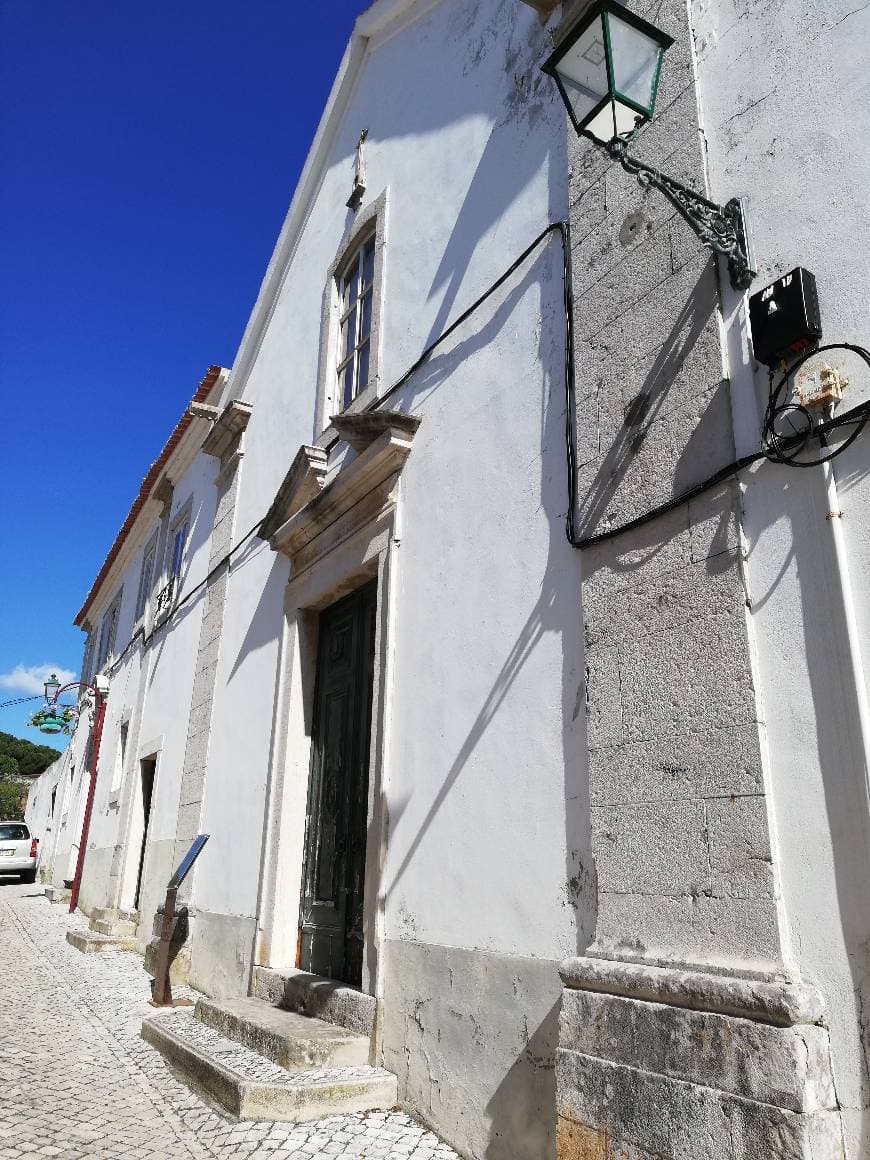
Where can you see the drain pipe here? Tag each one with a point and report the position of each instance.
(99, 717)
(835, 517)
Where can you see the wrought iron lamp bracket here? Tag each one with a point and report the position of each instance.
(724, 229)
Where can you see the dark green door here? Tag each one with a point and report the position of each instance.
(331, 921)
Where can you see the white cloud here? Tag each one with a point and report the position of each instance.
(29, 679)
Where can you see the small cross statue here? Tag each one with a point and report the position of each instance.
(359, 174)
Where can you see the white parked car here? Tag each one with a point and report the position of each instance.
(17, 851)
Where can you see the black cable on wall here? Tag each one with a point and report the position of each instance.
(775, 447)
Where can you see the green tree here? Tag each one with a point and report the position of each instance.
(32, 759)
(20, 761)
(13, 798)
(8, 767)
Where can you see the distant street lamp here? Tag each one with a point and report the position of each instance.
(607, 70)
(55, 718)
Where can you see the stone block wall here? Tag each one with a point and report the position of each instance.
(684, 849)
(680, 825)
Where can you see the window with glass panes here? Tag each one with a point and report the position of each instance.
(146, 578)
(355, 300)
(88, 659)
(107, 633)
(179, 539)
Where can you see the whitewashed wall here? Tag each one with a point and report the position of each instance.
(151, 691)
(61, 830)
(485, 742)
(785, 106)
(39, 816)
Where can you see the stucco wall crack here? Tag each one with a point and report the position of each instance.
(854, 12)
(752, 105)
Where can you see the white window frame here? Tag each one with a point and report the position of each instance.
(369, 222)
(173, 564)
(355, 298)
(175, 560)
(146, 583)
(109, 633)
(120, 758)
(88, 658)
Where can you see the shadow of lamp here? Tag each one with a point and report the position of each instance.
(607, 69)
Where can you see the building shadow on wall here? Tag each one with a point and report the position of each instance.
(522, 1108)
(526, 1098)
(801, 498)
(557, 608)
(641, 415)
(267, 619)
(794, 510)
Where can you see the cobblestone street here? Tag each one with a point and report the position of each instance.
(77, 1080)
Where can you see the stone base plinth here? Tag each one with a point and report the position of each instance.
(672, 1065)
(179, 963)
(179, 947)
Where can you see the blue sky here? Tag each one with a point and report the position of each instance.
(148, 152)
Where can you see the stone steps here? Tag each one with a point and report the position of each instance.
(316, 997)
(284, 1037)
(111, 914)
(118, 928)
(90, 942)
(116, 923)
(254, 1088)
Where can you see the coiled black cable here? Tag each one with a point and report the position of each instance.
(776, 446)
(785, 448)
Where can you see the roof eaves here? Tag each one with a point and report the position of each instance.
(148, 483)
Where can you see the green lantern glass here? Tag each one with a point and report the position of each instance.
(607, 70)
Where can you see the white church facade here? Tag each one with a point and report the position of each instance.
(577, 829)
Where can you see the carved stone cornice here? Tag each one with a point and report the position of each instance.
(163, 491)
(362, 429)
(361, 491)
(301, 484)
(228, 427)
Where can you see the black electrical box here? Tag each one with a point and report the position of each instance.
(784, 317)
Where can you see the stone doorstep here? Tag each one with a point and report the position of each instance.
(286, 1038)
(118, 928)
(113, 922)
(58, 894)
(317, 997)
(114, 914)
(89, 942)
(253, 1088)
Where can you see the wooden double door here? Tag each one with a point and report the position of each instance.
(331, 918)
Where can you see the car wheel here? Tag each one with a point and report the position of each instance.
(28, 876)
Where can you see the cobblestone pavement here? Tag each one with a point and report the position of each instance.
(77, 1080)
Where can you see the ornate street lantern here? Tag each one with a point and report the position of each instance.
(50, 721)
(607, 69)
(54, 718)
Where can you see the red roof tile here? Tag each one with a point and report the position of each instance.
(148, 483)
